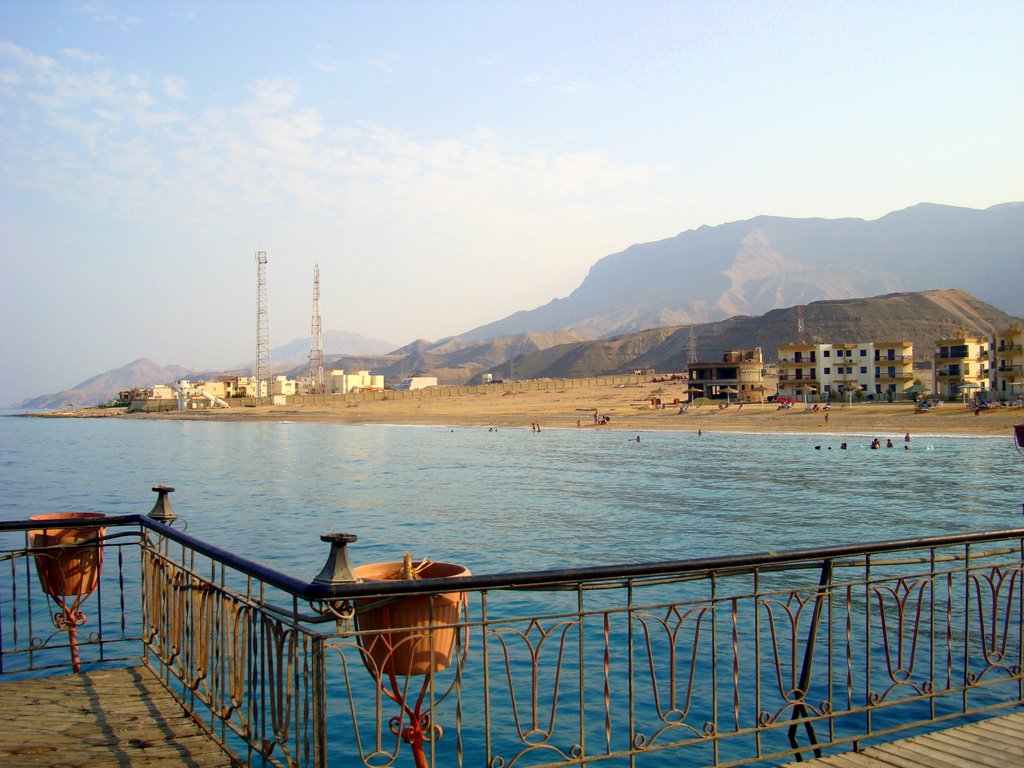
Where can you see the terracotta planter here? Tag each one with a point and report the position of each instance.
(71, 570)
(406, 644)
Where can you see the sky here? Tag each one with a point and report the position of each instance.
(446, 163)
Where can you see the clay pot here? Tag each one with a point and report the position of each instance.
(406, 644)
(71, 570)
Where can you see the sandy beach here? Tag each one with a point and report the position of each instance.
(628, 408)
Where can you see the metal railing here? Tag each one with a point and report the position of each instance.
(716, 661)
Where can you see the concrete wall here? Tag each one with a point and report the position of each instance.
(538, 385)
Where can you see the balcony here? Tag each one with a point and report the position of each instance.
(898, 376)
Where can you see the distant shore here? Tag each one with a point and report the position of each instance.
(627, 408)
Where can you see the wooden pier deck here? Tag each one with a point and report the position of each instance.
(116, 717)
(125, 717)
(994, 743)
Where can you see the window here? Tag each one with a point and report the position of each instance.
(863, 353)
(878, 371)
(827, 370)
(892, 371)
(863, 369)
(826, 353)
(849, 370)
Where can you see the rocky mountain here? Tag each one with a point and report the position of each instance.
(105, 386)
(751, 267)
(453, 360)
(296, 351)
(921, 317)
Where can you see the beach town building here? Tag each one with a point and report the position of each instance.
(282, 385)
(741, 375)
(416, 382)
(159, 397)
(337, 382)
(875, 369)
(961, 367)
(242, 386)
(1007, 363)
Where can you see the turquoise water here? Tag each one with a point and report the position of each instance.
(511, 499)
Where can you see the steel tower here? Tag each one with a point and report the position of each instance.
(262, 327)
(316, 341)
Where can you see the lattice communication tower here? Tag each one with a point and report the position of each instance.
(800, 324)
(262, 327)
(316, 340)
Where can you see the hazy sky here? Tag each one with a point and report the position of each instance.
(446, 163)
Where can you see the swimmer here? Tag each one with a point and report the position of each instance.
(842, 446)
(888, 443)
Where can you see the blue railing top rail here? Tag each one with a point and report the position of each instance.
(312, 590)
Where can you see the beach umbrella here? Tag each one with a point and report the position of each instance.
(730, 391)
(966, 386)
(851, 390)
(915, 389)
(807, 388)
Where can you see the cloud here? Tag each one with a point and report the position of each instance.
(74, 53)
(121, 143)
(99, 12)
(174, 88)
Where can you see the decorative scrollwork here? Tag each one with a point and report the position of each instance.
(65, 620)
(342, 611)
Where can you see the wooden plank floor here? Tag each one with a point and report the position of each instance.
(994, 743)
(117, 717)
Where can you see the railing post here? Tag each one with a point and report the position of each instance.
(806, 669)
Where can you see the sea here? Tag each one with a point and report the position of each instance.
(509, 499)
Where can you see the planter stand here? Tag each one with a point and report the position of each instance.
(412, 635)
(68, 563)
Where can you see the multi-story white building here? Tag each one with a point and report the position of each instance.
(337, 382)
(879, 369)
(1006, 366)
(962, 367)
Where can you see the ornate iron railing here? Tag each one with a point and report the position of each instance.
(717, 661)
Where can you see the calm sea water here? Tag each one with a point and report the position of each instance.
(510, 499)
(507, 500)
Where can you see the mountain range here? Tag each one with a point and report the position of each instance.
(768, 262)
(736, 285)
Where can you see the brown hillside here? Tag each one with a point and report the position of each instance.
(921, 318)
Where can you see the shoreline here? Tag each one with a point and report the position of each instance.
(629, 409)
